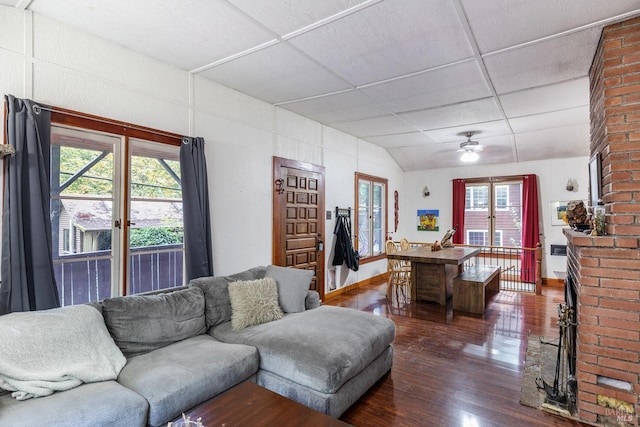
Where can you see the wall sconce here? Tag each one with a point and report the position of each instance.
(425, 191)
(572, 185)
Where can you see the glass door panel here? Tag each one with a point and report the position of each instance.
(378, 219)
(508, 214)
(155, 225)
(364, 218)
(83, 202)
(477, 215)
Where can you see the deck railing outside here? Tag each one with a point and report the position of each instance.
(509, 261)
(86, 277)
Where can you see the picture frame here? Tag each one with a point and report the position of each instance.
(595, 180)
(559, 212)
(428, 219)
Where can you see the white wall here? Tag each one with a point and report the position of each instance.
(553, 175)
(54, 64)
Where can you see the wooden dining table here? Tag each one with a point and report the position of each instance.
(432, 272)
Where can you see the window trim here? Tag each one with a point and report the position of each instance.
(385, 209)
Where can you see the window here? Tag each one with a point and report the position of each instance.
(477, 237)
(481, 238)
(493, 208)
(116, 209)
(502, 196)
(477, 198)
(66, 243)
(371, 221)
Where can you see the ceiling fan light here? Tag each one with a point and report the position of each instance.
(469, 156)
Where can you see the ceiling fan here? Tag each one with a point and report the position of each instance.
(470, 149)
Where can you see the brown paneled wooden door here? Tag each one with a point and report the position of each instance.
(298, 218)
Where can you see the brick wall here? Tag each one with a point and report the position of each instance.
(607, 268)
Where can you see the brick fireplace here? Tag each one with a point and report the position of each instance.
(606, 268)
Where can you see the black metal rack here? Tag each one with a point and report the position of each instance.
(343, 212)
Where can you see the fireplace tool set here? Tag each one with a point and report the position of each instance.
(560, 397)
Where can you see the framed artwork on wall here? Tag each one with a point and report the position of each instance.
(428, 219)
(595, 179)
(559, 213)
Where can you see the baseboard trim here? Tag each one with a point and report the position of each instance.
(552, 282)
(375, 280)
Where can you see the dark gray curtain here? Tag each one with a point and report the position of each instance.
(195, 208)
(28, 281)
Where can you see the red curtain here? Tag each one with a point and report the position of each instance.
(530, 230)
(459, 197)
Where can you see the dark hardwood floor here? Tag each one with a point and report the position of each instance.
(454, 369)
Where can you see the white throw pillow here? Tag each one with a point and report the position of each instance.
(293, 284)
(254, 302)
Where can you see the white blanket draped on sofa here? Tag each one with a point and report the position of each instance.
(53, 350)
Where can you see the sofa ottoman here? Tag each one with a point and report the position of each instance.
(324, 358)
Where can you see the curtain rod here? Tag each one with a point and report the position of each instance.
(492, 178)
(37, 108)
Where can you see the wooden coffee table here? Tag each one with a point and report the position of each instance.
(248, 404)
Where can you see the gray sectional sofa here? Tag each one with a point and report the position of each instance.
(169, 351)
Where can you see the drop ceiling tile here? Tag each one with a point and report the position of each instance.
(497, 149)
(409, 56)
(169, 31)
(402, 140)
(552, 61)
(500, 150)
(345, 106)
(492, 146)
(489, 141)
(569, 141)
(569, 117)
(384, 125)
(419, 158)
(559, 96)
(285, 16)
(497, 24)
(441, 86)
(481, 110)
(275, 74)
(481, 131)
(388, 39)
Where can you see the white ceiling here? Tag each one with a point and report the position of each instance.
(408, 75)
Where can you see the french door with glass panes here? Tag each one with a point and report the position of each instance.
(493, 214)
(116, 213)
